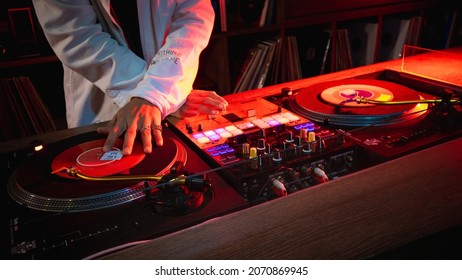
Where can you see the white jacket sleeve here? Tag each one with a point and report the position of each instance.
(80, 39)
(76, 35)
(172, 71)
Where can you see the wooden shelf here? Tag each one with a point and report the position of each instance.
(293, 14)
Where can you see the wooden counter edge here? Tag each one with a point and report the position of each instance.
(353, 217)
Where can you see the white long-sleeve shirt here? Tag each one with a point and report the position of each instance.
(101, 74)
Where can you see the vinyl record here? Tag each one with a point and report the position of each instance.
(322, 102)
(89, 159)
(34, 185)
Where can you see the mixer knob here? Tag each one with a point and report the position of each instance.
(284, 146)
(320, 175)
(253, 153)
(279, 188)
(309, 145)
(245, 150)
(199, 127)
(304, 134)
(254, 163)
(311, 142)
(277, 157)
(349, 161)
(297, 146)
(289, 137)
(261, 146)
(189, 128)
(321, 146)
(268, 148)
(298, 141)
(311, 136)
(262, 133)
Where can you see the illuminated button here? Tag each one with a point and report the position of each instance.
(236, 132)
(277, 116)
(250, 125)
(217, 148)
(209, 133)
(310, 126)
(203, 140)
(198, 135)
(214, 137)
(281, 119)
(260, 123)
(290, 116)
(267, 119)
(226, 134)
(245, 125)
(231, 127)
(241, 126)
(221, 147)
(274, 123)
(220, 130)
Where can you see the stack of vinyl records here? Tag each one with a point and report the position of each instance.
(258, 67)
(23, 113)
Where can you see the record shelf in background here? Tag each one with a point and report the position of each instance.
(23, 112)
(31, 85)
(317, 37)
(293, 39)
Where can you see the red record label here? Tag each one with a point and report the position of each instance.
(346, 95)
(90, 160)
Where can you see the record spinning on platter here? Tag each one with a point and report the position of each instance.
(335, 102)
(43, 182)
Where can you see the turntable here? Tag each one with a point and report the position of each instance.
(388, 113)
(340, 102)
(74, 201)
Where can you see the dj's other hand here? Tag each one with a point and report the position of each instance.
(201, 101)
(137, 116)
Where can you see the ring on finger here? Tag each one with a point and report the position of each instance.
(157, 127)
(146, 127)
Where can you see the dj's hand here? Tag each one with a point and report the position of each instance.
(201, 101)
(137, 116)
